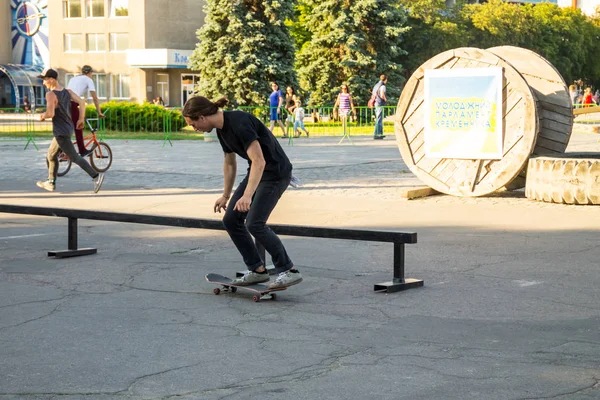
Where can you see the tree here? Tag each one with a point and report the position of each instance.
(564, 36)
(242, 46)
(353, 42)
(435, 28)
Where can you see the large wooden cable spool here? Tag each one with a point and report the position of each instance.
(551, 93)
(521, 110)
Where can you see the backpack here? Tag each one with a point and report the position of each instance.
(371, 102)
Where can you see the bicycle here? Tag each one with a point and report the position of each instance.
(100, 158)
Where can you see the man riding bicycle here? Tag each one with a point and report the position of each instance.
(80, 85)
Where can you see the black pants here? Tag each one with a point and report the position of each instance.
(241, 226)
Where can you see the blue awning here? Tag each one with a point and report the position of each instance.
(23, 75)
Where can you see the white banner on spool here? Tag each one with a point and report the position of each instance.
(463, 113)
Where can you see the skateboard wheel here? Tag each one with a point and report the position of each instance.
(233, 289)
(273, 296)
(256, 298)
(216, 291)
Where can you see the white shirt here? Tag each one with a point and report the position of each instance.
(81, 84)
(299, 113)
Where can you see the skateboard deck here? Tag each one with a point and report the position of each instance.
(262, 291)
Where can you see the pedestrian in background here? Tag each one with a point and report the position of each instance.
(379, 91)
(345, 104)
(275, 104)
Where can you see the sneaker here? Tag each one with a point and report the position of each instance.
(285, 279)
(251, 278)
(48, 185)
(87, 153)
(295, 182)
(378, 137)
(98, 182)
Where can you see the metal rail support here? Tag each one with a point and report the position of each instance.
(72, 251)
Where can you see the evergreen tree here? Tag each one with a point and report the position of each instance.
(243, 45)
(352, 41)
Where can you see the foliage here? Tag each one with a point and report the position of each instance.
(564, 36)
(435, 28)
(352, 42)
(134, 117)
(298, 26)
(243, 45)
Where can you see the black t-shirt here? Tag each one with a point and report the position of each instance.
(240, 129)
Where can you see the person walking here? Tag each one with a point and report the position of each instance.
(58, 107)
(379, 91)
(251, 204)
(275, 103)
(81, 85)
(346, 105)
(299, 119)
(290, 105)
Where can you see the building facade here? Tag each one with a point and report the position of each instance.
(139, 49)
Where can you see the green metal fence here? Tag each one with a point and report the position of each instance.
(319, 120)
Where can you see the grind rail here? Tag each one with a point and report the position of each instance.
(399, 239)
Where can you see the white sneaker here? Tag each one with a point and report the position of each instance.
(251, 278)
(48, 185)
(285, 279)
(295, 182)
(98, 182)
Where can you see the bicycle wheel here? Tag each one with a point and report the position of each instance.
(64, 164)
(101, 158)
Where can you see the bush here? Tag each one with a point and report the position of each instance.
(134, 117)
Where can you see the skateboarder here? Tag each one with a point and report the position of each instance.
(269, 174)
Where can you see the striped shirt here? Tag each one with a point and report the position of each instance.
(344, 103)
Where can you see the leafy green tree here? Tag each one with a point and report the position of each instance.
(298, 26)
(353, 42)
(564, 36)
(242, 46)
(435, 28)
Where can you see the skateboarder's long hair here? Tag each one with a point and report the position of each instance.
(201, 106)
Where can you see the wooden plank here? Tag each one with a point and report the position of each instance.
(416, 192)
(559, 137)
(586, 110)
(556, 117)
(417, 100)
(406, 97)
(543, 146)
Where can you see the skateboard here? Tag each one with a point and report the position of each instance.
(262, 291)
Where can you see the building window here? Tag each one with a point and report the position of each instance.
(68, 78)
(119, 86)
(119, 41)
(40, 96)
(96, 42)
(100, 83)
(162, 87)
(73, 42)
(189, 85)
(72, 9)
(119, 8)
(94, 8)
